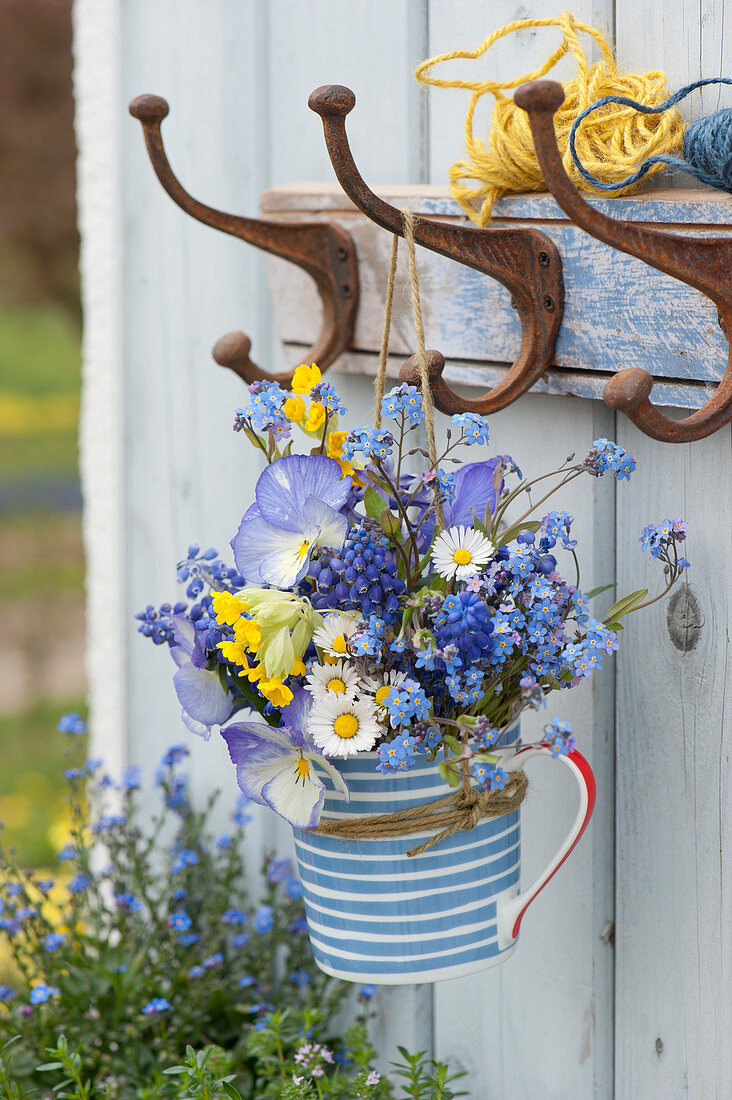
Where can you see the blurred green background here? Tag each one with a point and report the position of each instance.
(41, 555)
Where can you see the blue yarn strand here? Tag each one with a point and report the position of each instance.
(707, 142)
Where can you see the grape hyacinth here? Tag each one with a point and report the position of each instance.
(362, 576)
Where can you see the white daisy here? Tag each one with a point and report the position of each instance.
(460, 552)
(339, 678)
(332, 636)
(378, 686)
(341, 727)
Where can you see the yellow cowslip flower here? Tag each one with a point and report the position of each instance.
(227, 608)
(298, 667)
(316, 417)
(334, 444)
(294, 409)
(248, 633)
(305, 378)
(278, 694)
(254, 672)
(235, 652)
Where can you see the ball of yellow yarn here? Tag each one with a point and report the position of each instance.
(610, 143)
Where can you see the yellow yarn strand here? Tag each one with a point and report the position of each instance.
(610, 143)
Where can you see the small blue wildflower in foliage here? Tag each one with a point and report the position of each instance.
(264, 919)
(156, 1006)
(660, 539)
(234, 917)
(367, 992)
(66, 853)
(132, 778)
(369, 441)
(6, 994)
(213, 961)
(241, 939)
(606, 455)
(246, 981)
(279, 869)
(180, 921)
(107, 822)
(397, 755)
(300, 978)
(474, 427)
(560, 737)
(185, 858)
(294, 889)
(72, 724)
(53, 941)
(406, 702)
(174, 755)
(403, 399)
(74, 774)
(326, 395)
(78, 884)
(187, 939)
(490, 777)
(41, 993)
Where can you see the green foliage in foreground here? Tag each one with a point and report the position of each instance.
(148, 973)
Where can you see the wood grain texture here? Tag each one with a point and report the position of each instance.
(674, 902)
(619, 312)
(541, 1024)
(674, 907)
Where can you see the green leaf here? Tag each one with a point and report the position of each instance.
(625, 605)
(373, 503)
(510, 534)
(49, 1066)
(231, 1091)
(596, 591)
(390, 525)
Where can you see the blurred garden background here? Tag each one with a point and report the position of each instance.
(41, 556)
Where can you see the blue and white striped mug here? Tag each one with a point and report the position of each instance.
(375, 915)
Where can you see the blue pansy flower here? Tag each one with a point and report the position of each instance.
(297, 509)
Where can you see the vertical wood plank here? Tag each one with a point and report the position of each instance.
(541, 1023)
(464, 28)
(100, 224)
(310, 45)
(674, 904)
(674, 912)
(187, 476)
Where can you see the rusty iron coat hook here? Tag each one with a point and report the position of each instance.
(321, 248)
(702, 262)
(524, 260)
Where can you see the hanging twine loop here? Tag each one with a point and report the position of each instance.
(462, 809)
(380, 383)
(609, 148)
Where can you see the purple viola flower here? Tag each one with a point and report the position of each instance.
(475, 485)
(298, 504)
(275, 767)
(205, 703)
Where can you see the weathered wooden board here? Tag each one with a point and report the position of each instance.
(619, 312)
(674, 724)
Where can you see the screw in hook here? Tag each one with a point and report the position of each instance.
(548, 303)
(543, 259)
(346, 290)
(342, 253)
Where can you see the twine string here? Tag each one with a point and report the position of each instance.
(427, 403)
(609, 146)
(463, 809)
(380, 382)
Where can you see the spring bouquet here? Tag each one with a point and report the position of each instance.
(382, 602)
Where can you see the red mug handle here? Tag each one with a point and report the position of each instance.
(511, 911)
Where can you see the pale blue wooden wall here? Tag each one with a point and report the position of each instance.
(568, 1017)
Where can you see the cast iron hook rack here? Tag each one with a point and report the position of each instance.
(702, 262)
(322, 249)
(523, 260)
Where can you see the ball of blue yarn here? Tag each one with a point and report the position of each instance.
(708, 149)
(707, 142)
